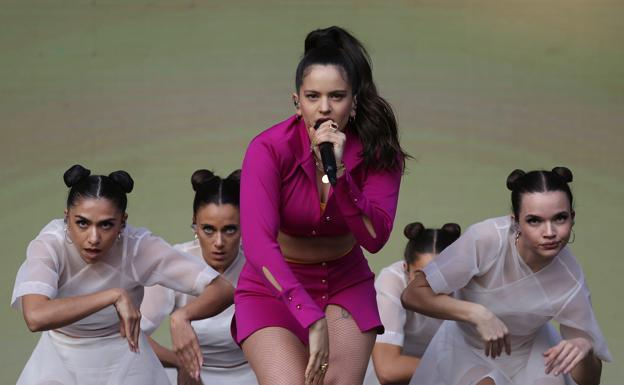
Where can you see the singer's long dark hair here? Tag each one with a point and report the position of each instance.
(374, 123)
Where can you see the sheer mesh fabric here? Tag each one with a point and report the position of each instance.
(278, 357)
(349, 348)
(484, 267)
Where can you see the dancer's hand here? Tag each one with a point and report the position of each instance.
(564, 356)
(185, 344)
(130, 319)
(185, 379)
(493, 332)
(328, 132)
(319, 353)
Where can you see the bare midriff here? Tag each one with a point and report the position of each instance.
(319, 249)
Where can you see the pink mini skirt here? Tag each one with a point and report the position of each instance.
(347, 282)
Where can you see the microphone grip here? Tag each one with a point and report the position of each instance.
(329, 161)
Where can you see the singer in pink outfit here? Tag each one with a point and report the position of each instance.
(305, 301)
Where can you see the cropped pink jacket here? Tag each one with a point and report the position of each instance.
(279, 193)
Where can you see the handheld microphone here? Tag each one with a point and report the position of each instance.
(327, 156)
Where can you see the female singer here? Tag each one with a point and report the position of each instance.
(305, 300)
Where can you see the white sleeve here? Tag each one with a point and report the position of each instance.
(472, 254)
(389, 287)
(577, 313)
(158, 303)
(158, 263)
(39, 274)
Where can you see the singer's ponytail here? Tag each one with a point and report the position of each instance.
(374, 123)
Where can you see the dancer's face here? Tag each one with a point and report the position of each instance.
(545, 223)
(93, 226)
(421, 261)
(218, 232)
(325, 94)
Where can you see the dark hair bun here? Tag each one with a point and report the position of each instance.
(123, 179)
(323, 38)
(564, 173)
(201, 178)
(75, 174)
(452, 229)
(514, 178)
(413, 230)
(235, 176)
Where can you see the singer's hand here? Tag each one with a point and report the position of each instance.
(328, 132)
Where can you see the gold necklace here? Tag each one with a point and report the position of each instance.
(324, 178)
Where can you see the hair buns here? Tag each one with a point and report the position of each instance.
(201, 178)
(235, 176)
(75, 174)
(564, 173)
(323, 38)
(514, 178)
(452, 229)
(413, 230)
(123, 179)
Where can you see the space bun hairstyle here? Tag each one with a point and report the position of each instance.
(423, 240)
(211, 188)
(82, 184)
(520, 182)
(374, 123)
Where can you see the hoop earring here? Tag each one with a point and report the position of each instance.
(67, 238)
(573, 238)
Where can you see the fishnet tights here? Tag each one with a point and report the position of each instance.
(278, 357)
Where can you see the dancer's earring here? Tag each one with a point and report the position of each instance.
(67, 238)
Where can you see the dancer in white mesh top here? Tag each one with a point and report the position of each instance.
(82, 284)
(216, 222)
(511, 276)
(397, 352)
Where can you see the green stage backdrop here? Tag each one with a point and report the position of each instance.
(161, 88)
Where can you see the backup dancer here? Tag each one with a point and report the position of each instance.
(305, 300)
(82, 285)
(397, 352)
(216, 225)
(511, 275)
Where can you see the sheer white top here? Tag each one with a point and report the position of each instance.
(410, 330)
(54, 268)
(215, 340)
(483, 266)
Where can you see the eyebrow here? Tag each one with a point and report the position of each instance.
(90, 221)
(538, 217)
(340, 91)
(207, 225)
